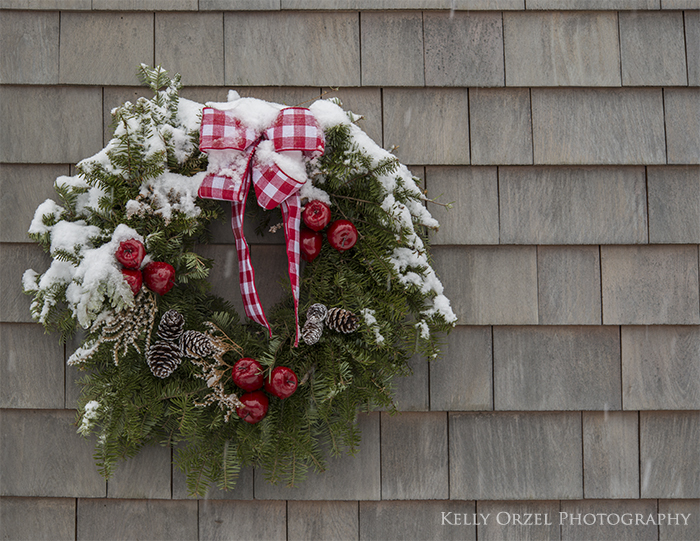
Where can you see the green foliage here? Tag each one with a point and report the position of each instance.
(339, 376)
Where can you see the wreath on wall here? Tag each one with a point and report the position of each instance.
(167, 362)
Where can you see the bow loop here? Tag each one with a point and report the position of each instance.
(295, 128)
(221, 130)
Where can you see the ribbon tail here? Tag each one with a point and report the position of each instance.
(251, 300)
(291, 214)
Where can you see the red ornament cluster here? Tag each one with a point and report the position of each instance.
(341, 235)
(158, 275)
(248, 374)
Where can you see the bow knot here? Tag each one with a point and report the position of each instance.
(272, 158)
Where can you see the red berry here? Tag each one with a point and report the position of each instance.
(310, 242)
(130, 253)
(159, 276)
(133, 278)
(247, 373)
(282, 382)
(342, 235)
(254, 408)
(316, 215)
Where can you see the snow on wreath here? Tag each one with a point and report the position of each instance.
(165, 361)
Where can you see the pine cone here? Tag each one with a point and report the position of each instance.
(341, 320)
(163, 358)
(317, 313)
(311, 333)
(196, 344)
(171, 325)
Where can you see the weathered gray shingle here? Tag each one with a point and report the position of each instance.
(490, 285)
(556, 368)
(41, 455)
(676, 526)
(611, 454)
(512, 456)
(392, 48)
(501, 520)
(398, 521)
(669, 454)
(661, 368)
(500, 126)
(593, 4)
(602, 523)
(47, 124)
(414, 456)
(145, 5)
(319, 49)
(674, 204)
(146, 476)
(692, 45)
(30, 355)
(24, 188)
(29, 42)
(137, 519)
(46, 4)
(322, 520)
(650, 285)
(412, 392)
(192, 45)
(104, 48)
(598, 126)
(409, 115)
(682, 106)
(652, 49)
(263, 521)
(235, 5)
(572, 205)
(473, 195)
(14, 260)
(461, 379)
(37, 518)
(463, 49)
(561, 49)
(568, 285)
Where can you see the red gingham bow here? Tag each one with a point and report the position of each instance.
(254, 155)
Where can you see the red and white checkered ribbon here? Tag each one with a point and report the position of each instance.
(295, 129)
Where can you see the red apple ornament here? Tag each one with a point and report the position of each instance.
(342, 235)
(310, 244)
(254, 408)
(282, 382)
(130, 253)
(159, 277)
(133, 278)
(316, 215)
(247, 373)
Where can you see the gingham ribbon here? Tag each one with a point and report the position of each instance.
(253, 159)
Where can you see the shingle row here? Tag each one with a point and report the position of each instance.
(393, 48)
(634, 285)
(66, 518)
(261, 5)
(409, 456)
(488, 285)
(483, 368)
(572, 126)
(565, 205)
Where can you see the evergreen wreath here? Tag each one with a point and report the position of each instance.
(167, 362)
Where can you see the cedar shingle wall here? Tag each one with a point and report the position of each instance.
(567, 132)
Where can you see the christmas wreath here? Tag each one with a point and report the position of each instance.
(166, 361)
